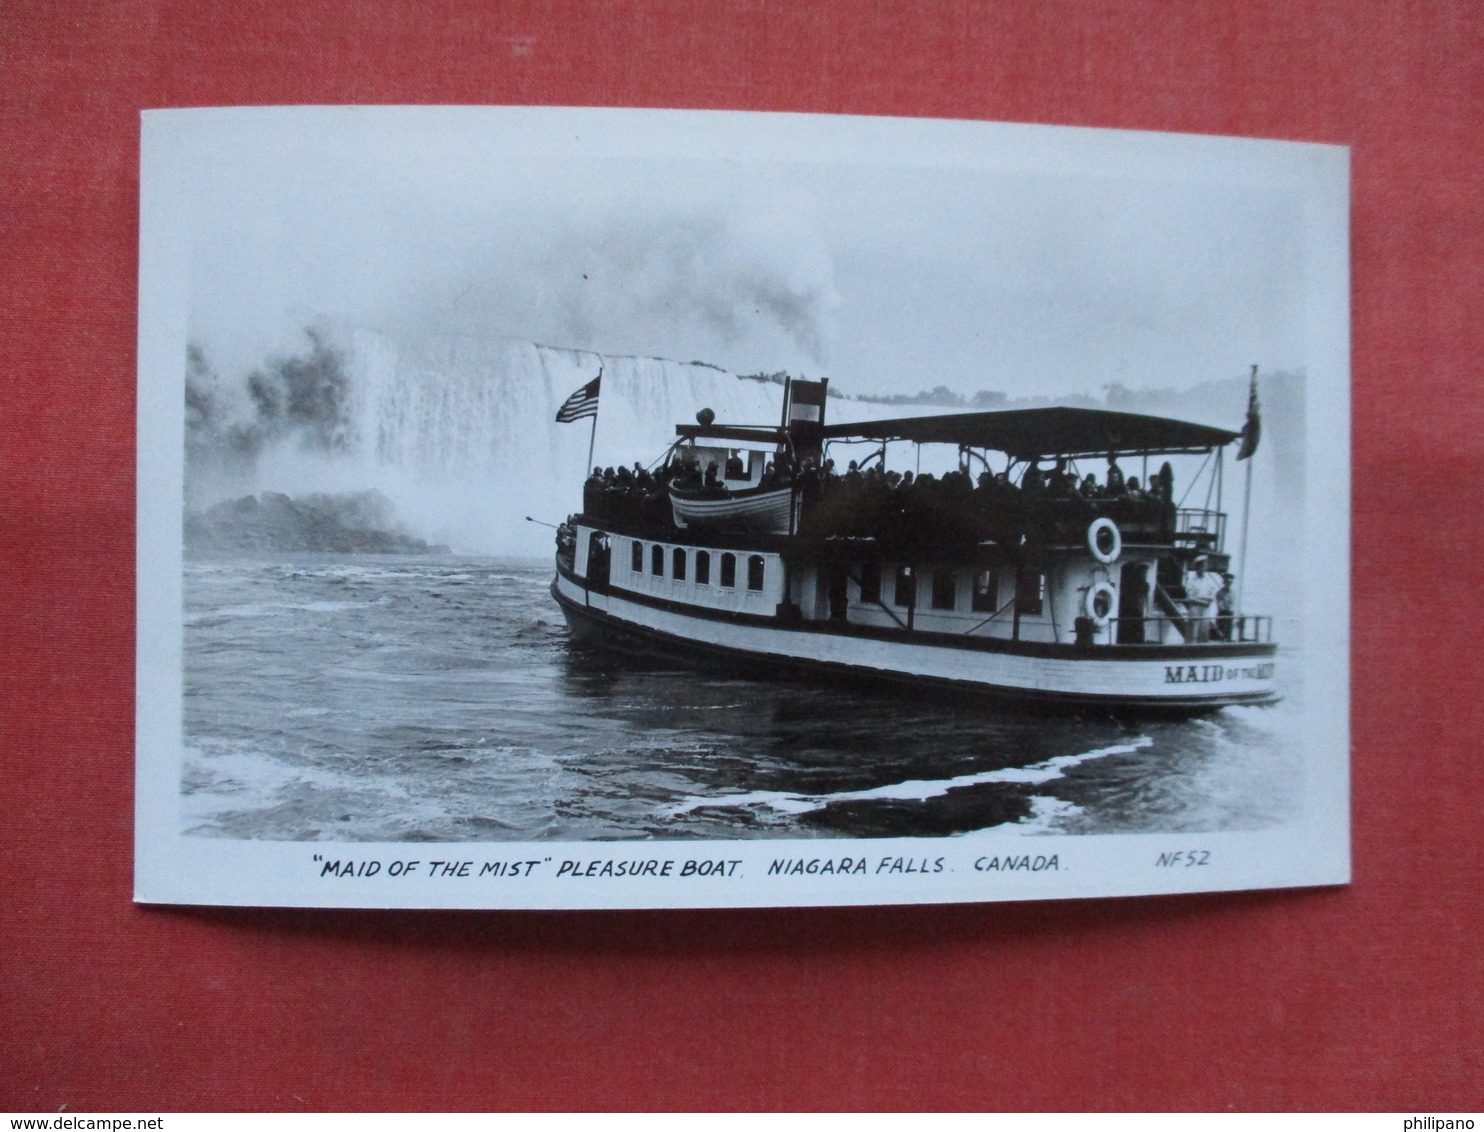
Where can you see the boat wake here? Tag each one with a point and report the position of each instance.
(912, 790)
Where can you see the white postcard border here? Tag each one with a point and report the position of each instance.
(1313, 850)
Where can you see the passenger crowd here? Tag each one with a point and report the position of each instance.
(1046, 503)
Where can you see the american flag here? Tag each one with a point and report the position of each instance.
(583, 403)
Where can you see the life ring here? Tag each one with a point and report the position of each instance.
(1105, 540)
(1101, 600)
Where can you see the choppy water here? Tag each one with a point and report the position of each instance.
(356, 698)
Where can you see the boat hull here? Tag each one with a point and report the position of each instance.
(1203, 680)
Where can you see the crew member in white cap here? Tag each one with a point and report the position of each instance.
(1201, 588)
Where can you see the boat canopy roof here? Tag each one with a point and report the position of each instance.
(1028, 434)
(753, 434)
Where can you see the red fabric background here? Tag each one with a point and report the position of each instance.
(1365, 997)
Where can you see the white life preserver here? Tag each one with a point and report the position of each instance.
(1101, 600)
(1105, 540)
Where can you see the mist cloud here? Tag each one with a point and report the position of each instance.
(887, 278)
(749, 288)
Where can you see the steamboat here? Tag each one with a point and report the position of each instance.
(1038, 567)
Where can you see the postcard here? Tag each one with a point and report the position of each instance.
(568, 508)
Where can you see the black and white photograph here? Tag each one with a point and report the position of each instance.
(614, 508)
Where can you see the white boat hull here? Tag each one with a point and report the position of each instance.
(1199, 682)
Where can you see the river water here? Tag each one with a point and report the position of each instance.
(354, 698)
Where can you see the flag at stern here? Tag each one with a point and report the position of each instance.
(1252, 430)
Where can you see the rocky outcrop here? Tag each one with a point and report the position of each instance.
(356, 523)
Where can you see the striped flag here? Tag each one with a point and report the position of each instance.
(583, 403)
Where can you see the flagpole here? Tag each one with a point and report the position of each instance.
(592, 436)
(1246, 501)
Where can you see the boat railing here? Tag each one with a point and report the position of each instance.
(1198, 527)
(1239, 628)
(1065, 519)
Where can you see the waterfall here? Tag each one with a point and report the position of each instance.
(459, 431)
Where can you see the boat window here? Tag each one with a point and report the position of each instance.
(728, 571)
(657, 561)
(905, 590)
(678, 570)
(871, 582)
(945, 588)
(986, 591)
(1030, 594)
(703, 568)
(636, 557)
(755, 572)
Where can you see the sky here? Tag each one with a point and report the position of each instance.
(890, 256)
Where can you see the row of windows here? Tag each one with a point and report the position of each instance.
(727, 568)
(983, 598)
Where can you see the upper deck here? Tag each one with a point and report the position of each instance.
(1081, 538)
(1021, 504)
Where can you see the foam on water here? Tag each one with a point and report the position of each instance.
(222, 778)
(1047, 815)
(228, 788)
(915, 790)
(275, 609)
